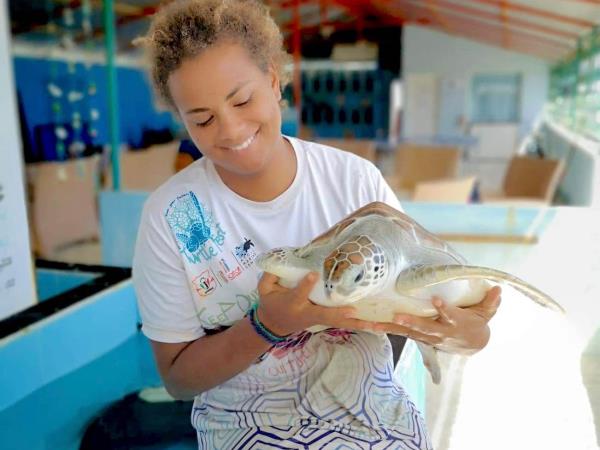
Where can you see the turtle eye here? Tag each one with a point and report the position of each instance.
(359, 276)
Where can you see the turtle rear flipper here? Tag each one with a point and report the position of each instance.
(430, 360)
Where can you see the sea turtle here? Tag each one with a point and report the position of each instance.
(383, 262)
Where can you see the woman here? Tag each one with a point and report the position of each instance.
(259, 379)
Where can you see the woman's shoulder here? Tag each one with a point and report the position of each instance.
(191, 178)
(332, 155)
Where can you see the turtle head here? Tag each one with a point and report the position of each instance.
(354, 270)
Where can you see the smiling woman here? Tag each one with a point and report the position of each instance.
(221, 331)
(220, 67)
(234, 116)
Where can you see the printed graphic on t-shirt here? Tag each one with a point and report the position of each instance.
(245, 253)
(199, 236)
(228, 268)
(220, 313)
(206, 283)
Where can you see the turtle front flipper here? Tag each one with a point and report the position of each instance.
(421, 277)
(284, 263)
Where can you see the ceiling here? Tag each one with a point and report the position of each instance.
(547, 29)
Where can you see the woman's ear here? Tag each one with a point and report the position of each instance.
(275, 83)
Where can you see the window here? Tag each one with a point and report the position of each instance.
(496, 98)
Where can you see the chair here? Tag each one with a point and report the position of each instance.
(63, 203)
(361, 147)
(415, 164)
(529, 179)
(455, 190)
(145, 170)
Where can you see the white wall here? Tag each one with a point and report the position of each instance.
(581, 183)
(16, 270)
(427, 51)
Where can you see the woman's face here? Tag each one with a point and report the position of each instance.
(230, 108)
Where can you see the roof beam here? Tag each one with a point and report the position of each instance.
(489, 40)
(593, 2)
(492, 27)
(537, 12)
(493, 34)
(504, 18)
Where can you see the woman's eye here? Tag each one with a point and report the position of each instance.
(243, 103)
(205, 123)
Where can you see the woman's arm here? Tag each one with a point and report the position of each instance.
(189, 368)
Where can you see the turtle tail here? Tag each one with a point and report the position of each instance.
(419, 277)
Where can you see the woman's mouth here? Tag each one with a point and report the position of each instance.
(244, 145)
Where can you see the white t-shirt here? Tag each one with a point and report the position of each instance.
(194, 271)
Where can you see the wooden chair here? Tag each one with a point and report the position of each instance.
(529, 179)
(415, 164)
(454, 190)
(147, 169)
(361, 147)
(63, 203)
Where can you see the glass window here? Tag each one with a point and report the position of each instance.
(496, 98)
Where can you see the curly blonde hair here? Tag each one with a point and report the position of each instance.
(184, 28)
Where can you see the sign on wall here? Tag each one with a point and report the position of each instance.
(17, 288)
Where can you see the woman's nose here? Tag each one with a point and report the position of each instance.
(230, 128)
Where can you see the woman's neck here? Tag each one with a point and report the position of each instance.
(275, 178)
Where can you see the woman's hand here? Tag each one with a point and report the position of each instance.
(455, 330)
(285, 311)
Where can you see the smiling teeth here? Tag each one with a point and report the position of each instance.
(244, 144)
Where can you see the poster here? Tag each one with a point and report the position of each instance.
(17, 288)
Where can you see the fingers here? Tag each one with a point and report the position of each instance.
(490, 303)
(339, 317)
(306, 285)
(431, 338)
(357, 324)
(267, 283)
(423, 325)
(443, 311)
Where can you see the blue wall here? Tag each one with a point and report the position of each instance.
(59, 373)
(51, 282)
(136, 107)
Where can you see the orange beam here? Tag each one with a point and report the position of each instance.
(287, 4)
(338, 25)
(462, 21)
(478, 13)
(538, 12)
(487, 39)
(396, 14)
(493, 35)
(503, 19)
(593, 2)
(482, 36)
(297, 53)
(323, 10)
(355, 7)
(434, 12)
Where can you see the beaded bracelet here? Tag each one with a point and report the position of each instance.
(263, 331)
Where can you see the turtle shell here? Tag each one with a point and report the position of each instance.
(438, 250)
